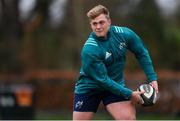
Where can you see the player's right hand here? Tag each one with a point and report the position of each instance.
(136, 98)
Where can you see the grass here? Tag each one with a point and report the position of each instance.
(101, 115)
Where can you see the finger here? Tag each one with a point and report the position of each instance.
(157, 91)
(156, 88)
(141, 92)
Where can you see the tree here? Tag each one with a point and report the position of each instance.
(10, 33)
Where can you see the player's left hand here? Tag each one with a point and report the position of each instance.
(155, 85)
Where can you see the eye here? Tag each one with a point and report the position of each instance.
(94, 23)
(101, 22)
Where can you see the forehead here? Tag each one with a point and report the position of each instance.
(99, 18)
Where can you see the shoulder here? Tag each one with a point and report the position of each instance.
(126, 32)
(122, 30)
(117, 29)
(91, 46)
(91, 42)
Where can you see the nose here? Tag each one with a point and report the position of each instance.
(98, 26)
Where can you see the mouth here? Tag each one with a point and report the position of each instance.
(99, 31)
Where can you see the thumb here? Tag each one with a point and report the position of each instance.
(141, 92)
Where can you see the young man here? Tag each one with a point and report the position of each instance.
(101, 74)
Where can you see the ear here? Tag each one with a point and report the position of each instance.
(109, 20)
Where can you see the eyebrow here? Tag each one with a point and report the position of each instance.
(98, 21)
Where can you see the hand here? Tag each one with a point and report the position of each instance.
(155, 85)
(136, 98)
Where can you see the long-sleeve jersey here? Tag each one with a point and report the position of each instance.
(103, 61)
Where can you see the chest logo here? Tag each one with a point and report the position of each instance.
(122, 45)
(107, 55)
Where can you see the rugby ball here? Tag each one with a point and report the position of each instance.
(149, 98)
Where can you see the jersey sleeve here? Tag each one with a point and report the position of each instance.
(93, 66)
(136, 46)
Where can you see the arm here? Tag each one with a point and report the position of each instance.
(136, 46)
(94, 67)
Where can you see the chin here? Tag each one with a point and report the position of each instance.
(100, 35)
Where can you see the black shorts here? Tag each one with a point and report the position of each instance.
(90, 102)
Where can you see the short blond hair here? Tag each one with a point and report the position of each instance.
(96, 11)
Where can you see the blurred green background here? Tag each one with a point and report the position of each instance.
(40, 44)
